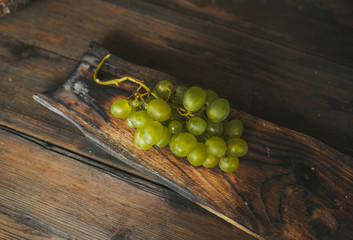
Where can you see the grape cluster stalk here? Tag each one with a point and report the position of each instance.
(192, 121)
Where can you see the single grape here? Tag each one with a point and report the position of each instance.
(215, 128)
(164, 88)
(140, 119)
(128, 119)
(216, 146)
(194, 98)
(178, 95)
(165, 138)
(139, 140)
(159, 110)
(228, 164)
(175, 127)
(210, 161)
(181, 144)
(197, 155)
(218, 110)
(135, 103)
(233, 128)
(210, 97)
(120, 108)
(237, 147)
(196, 125)
(153, 132)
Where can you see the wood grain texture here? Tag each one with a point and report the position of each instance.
(284, 84)
(49, 195)
(289, 185)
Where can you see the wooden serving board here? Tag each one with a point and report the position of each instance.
(288, 186)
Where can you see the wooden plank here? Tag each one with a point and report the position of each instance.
(289, 185)
(323, 28)
(47, 195)
(266, 79)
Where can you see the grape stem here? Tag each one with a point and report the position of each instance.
(119, 80)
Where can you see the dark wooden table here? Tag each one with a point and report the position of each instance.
(288, 62)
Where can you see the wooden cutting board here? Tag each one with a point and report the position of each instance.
(288, 186)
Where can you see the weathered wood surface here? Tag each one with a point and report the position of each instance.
(289, 185)
(48, 195)
(288, 65)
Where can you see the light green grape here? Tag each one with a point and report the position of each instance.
(228, 164)
(237, 147)
(215, 128)
(159, 110)
(233, 128)
(139, 140)
(165, 138)
(182, 144)
(120, 108)
(128, 119)
(135, 103)
(140, 119)
(178, 96)
(164, 88)
(210, 161)
(218, 110)
(210, 97)
(216, 146)
(194, 98)
(153, 132)
(197, 155)
(175, 127)
(196, 125)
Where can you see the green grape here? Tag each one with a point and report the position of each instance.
(215, 128)
(218, 110)
(210, 97)
(181, 144)
(197, 155)
(178, 95)
(237, 147)
(120, 108)
(148, 99)
(216, 146)
(233, 128)
(139, 140)
(164, 88)
(135, 103)
(159, 110)
(196, 125)
(128, 119)
(210, 161)
(228, 164)
(140, 119)
(165, 138)
(194, 98)
(153, 132)
(175, 127)
(175, 115)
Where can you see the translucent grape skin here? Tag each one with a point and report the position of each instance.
(182, 144)
(198, 155)
(128, 119)
(233, 128)
(194, 98)
(218, 110)
(228, 164)
(210, 97)
(164, 88)
(120, 108)
(215, 128)
(175, 127)
(216, 146)
(237, 147)
(178, 96)
(140, 119)
(165, 138)
(210, 161)
(139, 140)
(196, 125)
(152, 132)
(159, 110)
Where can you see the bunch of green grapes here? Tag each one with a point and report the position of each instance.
(192, 121)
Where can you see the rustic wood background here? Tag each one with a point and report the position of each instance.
(289, 62)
